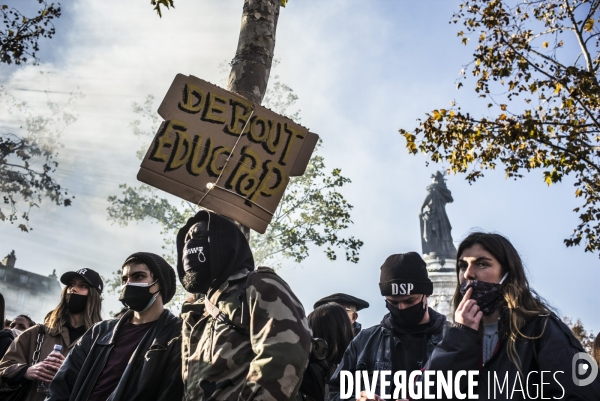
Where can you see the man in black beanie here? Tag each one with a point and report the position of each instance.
(136, 357)
(406, 336)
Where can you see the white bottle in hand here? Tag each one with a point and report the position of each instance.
(42, 386)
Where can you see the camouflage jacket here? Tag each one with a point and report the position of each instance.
(264, 361)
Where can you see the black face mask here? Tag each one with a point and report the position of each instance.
(487, 295)
(137, 297)
(77, 303)
(410, 316)
(196, 264)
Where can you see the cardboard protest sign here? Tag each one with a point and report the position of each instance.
(222, 152)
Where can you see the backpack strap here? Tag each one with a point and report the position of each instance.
(219, 316)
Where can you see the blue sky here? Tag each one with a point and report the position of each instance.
(362, 70)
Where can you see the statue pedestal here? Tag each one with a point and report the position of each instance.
(443, 275)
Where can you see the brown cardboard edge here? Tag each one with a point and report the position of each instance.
(308, 146)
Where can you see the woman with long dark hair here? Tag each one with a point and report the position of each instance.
(328, 322)
(27, 362)
(504, 330)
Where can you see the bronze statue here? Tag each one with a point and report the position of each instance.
(436, 237)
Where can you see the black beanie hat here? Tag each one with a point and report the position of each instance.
(405, 274)
(160, 269)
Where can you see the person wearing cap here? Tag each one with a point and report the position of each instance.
(136, 357)
(78, 310)
(406, 336)
(246, 336)
(351, 304)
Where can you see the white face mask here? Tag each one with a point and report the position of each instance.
(16, 332)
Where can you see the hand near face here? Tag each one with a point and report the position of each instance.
(468, 312)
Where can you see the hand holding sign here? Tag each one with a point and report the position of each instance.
(220, 151)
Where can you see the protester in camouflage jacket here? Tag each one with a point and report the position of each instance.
(248, 338)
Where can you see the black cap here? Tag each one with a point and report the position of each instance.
(405, 274)
(345, 299)
(161, 271)
(89, 275)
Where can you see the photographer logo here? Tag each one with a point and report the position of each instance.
(582, 361)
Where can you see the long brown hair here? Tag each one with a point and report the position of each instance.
(59, 316)
(521, 302)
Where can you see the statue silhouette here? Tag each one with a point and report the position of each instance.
(436, 237)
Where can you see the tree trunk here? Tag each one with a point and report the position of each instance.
(251, 66)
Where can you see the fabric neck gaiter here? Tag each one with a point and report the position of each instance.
(410, 316)
(487, 295)
(76, 303)
(137, 296)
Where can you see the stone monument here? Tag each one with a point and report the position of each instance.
(439, 251)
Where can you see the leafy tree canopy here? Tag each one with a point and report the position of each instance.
(20, 35)
(536, 66)
(28, 161)
(586, 338)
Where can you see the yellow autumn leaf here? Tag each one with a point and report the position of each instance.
(283, 3)
(557, 88)
(545, 44)
(589, 25)
(502, 117)
(503, 107)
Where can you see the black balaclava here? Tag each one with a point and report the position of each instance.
(196, 259)
(227, 251)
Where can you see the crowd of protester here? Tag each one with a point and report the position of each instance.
(244, 335)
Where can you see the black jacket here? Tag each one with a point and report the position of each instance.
(553, 352)
(6, 339)
(371, 350)
(153, 373)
